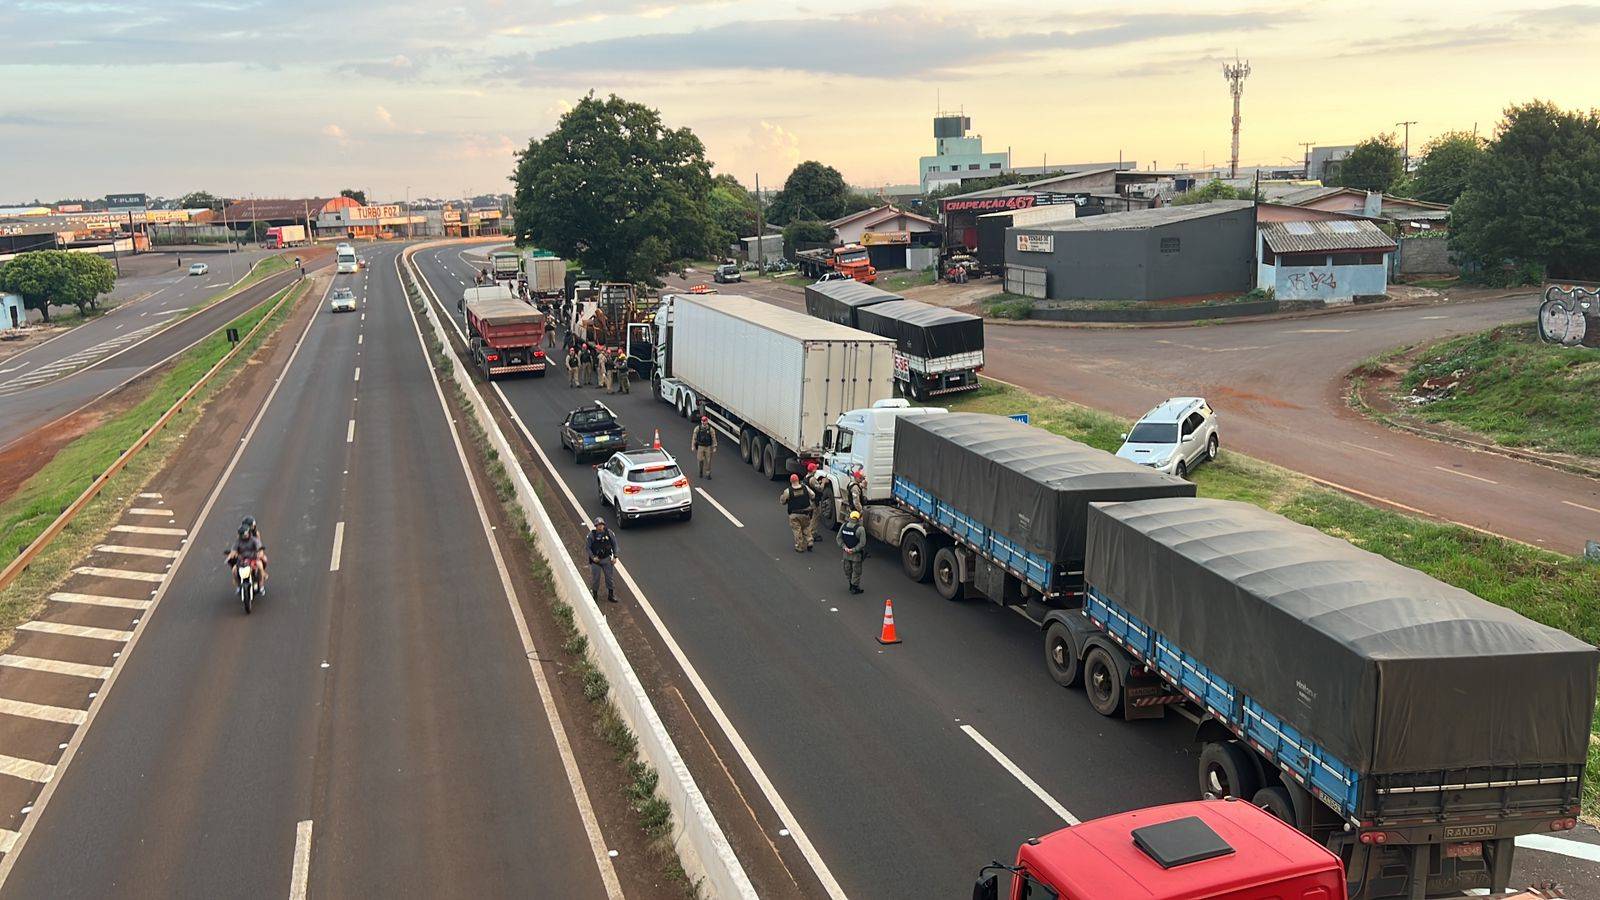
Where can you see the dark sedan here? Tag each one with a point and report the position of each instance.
(593, 430)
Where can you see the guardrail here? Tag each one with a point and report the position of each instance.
(32, 551)
(702, 846)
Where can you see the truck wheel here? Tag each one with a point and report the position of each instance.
(916, 557)
(1061, 657)
(947, 574)
(771, 460)
(1227, 771)
(913, 391)
(744, 444)
(1102, 681)
(1276, 800)
(758, 449)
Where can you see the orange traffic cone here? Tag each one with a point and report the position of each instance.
(887, 635)
(656, 444)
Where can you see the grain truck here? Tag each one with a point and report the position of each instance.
(503, 333)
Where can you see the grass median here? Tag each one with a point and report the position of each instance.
(41, 498)
(1560, 591)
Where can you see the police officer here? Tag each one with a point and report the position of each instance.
(602, 546)
(852, 539)
(608, 369)
(818, 482)
(621, 376)
(586, 359)
(574, 367)
(704, 439)
(798, 501)
(855, 496)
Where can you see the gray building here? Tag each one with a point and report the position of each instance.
(1149, 254)
(1323, 159)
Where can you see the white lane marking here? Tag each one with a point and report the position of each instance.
(1465, 475)
(1427, 318)
(26, 769)
(149, 495)
(1319, 331)
(12, 369)
(1367, 449)
(9, 861)
(148, 529)
(580, 793)
(350, 433)
(8, 839)
(358, 338)
(713, 501)
(99, 600)
(1564, 846)
(147, 511)
(1581, 506)
(40, 711)
(363, 317)
(136, 551)
(83, 631)
(1017, 773)
(54, 666)
(302, 861)
(358, 373)
(128, 574)
(338, 547)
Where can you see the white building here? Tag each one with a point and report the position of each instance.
(880, 219)
(957, 155)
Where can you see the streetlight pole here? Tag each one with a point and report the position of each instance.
(1405, 165)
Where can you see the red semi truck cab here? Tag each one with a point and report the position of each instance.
(1200, 850)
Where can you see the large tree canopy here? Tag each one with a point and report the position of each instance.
(1446, 162)
(358, 196)
(59, 278)
(733, 213)
(1534, 197)
(1374, 165)
(612, 187)
(812, 192)
(1215, 189)
(199, 200)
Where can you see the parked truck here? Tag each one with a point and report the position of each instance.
(503, 333)
(505, 265)
(851, 259)
(937, 350)
(281, 236)
(1409, 726)
(772, 379)
(546, 275)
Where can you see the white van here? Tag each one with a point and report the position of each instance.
(347, 262)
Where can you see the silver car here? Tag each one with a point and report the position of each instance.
(343, 300)
(1174, 437)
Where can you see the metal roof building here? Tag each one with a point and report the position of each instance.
(1336, 236)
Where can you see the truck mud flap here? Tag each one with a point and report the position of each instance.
(1147, 697)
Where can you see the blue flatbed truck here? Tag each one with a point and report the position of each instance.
(1411, 727)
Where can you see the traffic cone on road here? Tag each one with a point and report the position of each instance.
(656, 444)
(888, 635)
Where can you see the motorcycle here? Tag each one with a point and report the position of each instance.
(244, 580)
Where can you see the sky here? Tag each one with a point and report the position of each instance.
(295, 98)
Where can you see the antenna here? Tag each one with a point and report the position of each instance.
(1235, 75)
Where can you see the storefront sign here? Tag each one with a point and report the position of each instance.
(125, 201)
(1036, 243)
(990, 204)
(885, 238)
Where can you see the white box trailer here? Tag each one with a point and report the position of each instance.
(768, 377)
(546, 275)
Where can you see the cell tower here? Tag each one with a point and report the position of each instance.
(1236, 74)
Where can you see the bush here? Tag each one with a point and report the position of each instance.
(1008, 306)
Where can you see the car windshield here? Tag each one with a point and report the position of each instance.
(589, 418)
(1154, 433)
(646, 476)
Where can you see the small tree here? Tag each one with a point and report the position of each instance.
(1215, 189)
(733, 213)
(1374, 165)
(56, 277)
(805, 231)
(1446, 162)
(812, 191)
(358, 196)
(199, 200)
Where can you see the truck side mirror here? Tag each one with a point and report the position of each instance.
(987, 888)
(828, 435)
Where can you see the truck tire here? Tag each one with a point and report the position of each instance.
(947, 574)
(744, 444)
(770, 460)
(1226, 770)
(758, 452)
(916, 556)
(1275, 800)
(1061, 656)
(1102, 681)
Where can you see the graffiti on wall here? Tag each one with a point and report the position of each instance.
(1570, 315)
(1313, 282)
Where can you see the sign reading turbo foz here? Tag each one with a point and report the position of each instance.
(1036, 243)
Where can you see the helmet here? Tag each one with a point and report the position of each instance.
(243, 531)
(249, 522)
(599, 520)
(855, 514)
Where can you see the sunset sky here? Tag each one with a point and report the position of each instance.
(293, 98)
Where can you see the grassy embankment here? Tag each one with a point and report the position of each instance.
(1560, 591)
(52, 489)
(1516, 390)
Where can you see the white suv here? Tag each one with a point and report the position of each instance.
(640, 483)
(1174, 437)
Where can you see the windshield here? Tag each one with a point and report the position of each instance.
(646, 476)
(347, 256)
(853, 256)
(1154, 433)
(590, 418)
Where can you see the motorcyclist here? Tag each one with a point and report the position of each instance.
(248, 548)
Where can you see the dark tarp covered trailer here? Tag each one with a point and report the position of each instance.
(1029, 485)
(922, 330)
(1387, 668)
(837, 301)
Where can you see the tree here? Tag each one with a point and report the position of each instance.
(613, 187)
(199, 200)
(48, 278)
(733, 213)
(1532, 201)
(1215, 189)
(812, 191)
(1446, 162)
(805, 231)
(358, 196)
(1374, 165)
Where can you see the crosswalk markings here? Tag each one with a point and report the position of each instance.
(99, 600)
(27, 769)
(149, 529)
(60, 714)
(147, 511)
(55, 666)
(83, 631)
(136, 551)
(129, 574)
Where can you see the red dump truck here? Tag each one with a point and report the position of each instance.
(503, 336)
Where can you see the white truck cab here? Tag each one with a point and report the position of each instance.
(863, 439)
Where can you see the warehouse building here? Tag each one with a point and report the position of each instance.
(1151, 254)
(1333, 262)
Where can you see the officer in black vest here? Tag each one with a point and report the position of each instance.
(852, 539)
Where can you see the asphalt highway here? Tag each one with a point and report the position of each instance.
(373, 729)
(61, 375)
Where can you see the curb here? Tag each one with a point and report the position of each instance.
(1219, 321)
(702, 846)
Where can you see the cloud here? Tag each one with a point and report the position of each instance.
(774, 146)
(484, 146)
(398, 67)
(337, 134)
(384, 117)
(1560, 17)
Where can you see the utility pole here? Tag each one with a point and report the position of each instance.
(1235, 75)
(1405, 164)
(1307, 145)
(761, 230)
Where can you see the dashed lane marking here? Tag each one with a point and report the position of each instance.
(713, 501)
(149, 495)
(128, 574)
(148, 511)
(156, 552)
(1465, 475)
(338, 547)
(358, 373)
(59, 714)
(99, 600)
(358, 338)
(1017, 773)
(350, 433)
(1367, 449)
(149, 529)
(26, 769)
(55, 666)
(301, 873)
(1581, 506)
(1563, 846)
(83, 631)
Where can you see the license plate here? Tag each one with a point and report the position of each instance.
(603, 438)
(1454, 832)
(1466, 848)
